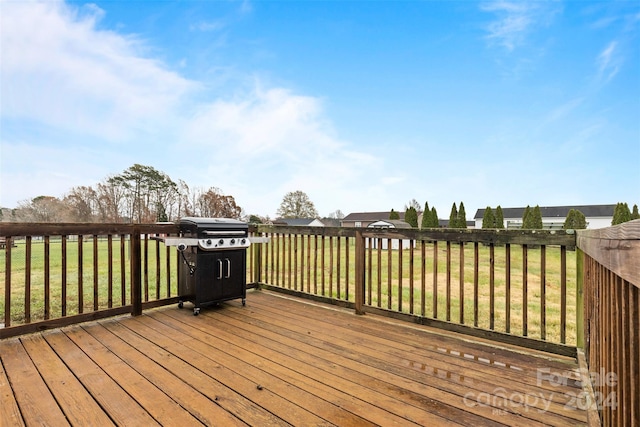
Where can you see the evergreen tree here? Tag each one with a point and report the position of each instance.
(453, 216)
(434, 222)
(499, 217)
(621, 214)
(411, 217)
(526, 218)
(569, 221)
(488, 219)
(254, 219)
(462, 217)
(616, 215)
(394, 215)
(635, 214)
(575, 221)
(627, 213)
(580, 220)
(425, 216)
(536, 218)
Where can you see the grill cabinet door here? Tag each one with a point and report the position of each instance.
(221, 276)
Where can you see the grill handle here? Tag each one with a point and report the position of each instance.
(228, 268)
(219, 269)
(224, 233)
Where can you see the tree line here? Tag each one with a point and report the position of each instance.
(494, 219)
(457, 218)
(140, 194)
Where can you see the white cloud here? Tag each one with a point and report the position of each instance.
(263, 120)
(102, 91)
(609, 62)
(565, 109)
(516, 20)
(270, 142)
(59, 70)
(246, 7)
(207, 26)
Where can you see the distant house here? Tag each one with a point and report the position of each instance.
(331, 222)
(299, 222)
(597, 216)
(395, 243)
(363, 219)
(389, 223)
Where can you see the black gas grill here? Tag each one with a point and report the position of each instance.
(213, 260)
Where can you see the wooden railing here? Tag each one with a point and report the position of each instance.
(609, 319)
(59, 274)
(500, 284)
(519, 286)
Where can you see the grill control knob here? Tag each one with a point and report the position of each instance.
(243, 241)
(221, 242)
(208, 242)
(233, 241)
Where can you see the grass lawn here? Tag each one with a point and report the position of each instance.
(322, 273)
(118, 294)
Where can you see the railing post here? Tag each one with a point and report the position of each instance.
(7, 282)
(257, 263)
(136, 273)
(580, 320)
(360, 273)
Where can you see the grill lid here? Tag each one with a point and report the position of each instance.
(213, 233)
(213, 223)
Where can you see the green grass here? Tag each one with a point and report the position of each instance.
(303, 271)
(119, 287)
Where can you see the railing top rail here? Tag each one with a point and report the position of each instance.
(495, 236)
(9, 229)
(617, 248)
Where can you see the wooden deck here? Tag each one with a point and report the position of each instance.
(278, 361)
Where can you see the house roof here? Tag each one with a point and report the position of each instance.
(370, 216)
(391, 223)
(331, 222)
(556, 211)
(296, 222)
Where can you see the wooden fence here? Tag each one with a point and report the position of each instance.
(60, 274)
(500, 284)
(527, 287)
(609, 294)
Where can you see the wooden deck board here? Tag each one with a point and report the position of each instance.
(278, 361)
(78, 406)
(115, 401)
(392, 354)
(37, 405)
(427, 383)
(9, 411)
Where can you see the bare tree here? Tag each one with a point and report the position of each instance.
(296, 204)
(42, 209)
(82, 204)
(336, 215)
(214, 204)
(413, 204)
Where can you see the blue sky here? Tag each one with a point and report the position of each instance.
(363, 105)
